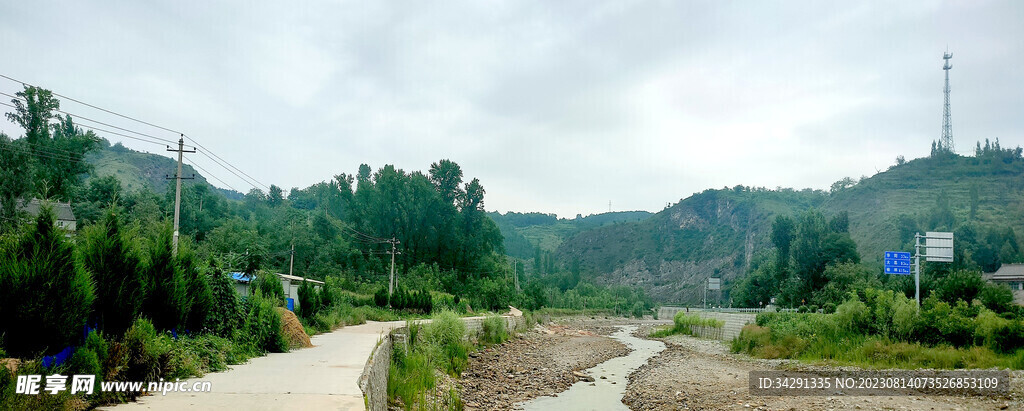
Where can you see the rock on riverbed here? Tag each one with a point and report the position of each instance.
(540, 362)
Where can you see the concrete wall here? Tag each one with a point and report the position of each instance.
(734, 322)
(374, 380)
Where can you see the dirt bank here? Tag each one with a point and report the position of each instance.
(540, 362)
(702, 374)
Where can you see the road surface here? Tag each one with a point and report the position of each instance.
(325, 376)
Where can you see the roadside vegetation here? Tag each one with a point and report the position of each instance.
(435, 351)
(883, 329)
(113, 298)
(686, 324)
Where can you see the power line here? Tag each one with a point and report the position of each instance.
(223, 163)
(225, 167)
(95, 107)
(193, 164)
(80, 117)
(24, 150)
(226, 162)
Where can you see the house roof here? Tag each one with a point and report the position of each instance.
(1009, 272)
(297, 278)
(245, 278)
(61, 210)
(241, 277)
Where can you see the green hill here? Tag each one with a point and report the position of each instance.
(137, 170)
(524, 232)
(718, 232)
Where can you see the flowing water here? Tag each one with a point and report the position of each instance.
(602, 394)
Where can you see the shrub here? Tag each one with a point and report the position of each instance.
(225, 310)
(802, 309)
(262, 328)
(108, 253)
(45, 293)
(380, 298)
(269, 286)
(853, 315)
(443, 339)
(813, 308)
(166, 301)
(309, 300)
(493, 330)
(198, 302)
(828, 308)
(143, 352)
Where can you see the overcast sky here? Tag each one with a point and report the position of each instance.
(557, 106)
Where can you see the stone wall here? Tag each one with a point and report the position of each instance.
(374, 380)
(734, 322)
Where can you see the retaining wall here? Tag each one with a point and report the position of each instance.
(374, 380)
(734, 322)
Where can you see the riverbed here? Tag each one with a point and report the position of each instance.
(610, 378)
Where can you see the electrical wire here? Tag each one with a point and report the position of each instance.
(193, 164)
(215, 158)
(225, 167)
(226, 162)
(81, 118)
(95, 107)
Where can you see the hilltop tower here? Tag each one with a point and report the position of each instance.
(946, 142)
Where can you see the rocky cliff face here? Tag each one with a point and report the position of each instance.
(671, 255)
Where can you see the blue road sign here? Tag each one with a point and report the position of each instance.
(896, 255)
(897, 270)
(897, 263)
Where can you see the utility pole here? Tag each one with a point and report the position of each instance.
(391, 283)
(917, 269)
(291, 262)
(515, 272)
(177, 190)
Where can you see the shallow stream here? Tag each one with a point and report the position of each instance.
(604, 393)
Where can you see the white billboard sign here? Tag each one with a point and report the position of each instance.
(939, 246)
(714, 283)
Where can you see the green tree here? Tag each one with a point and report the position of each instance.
(15, 180)
(166, 302)
(783, 231)
(109, 253)
(46, 295)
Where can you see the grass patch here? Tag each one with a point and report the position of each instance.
(493, 330)
(685, 324)
(818, 338)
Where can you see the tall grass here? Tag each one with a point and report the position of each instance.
(439, 345)
(685, 323)
(493, 330)
(835, 339)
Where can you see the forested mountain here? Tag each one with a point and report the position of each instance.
(526, 234)
(721, 232)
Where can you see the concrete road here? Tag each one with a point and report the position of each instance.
(324, 377)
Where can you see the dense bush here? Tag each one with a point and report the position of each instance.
(225, 314)
(46, 295)
(262, 328)
(444, 340)
(269, 286)
(110, 255)
(198, 302)
(166, 302)
(683, 323)
(887, 329)
(309, 300)
(493, 330)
